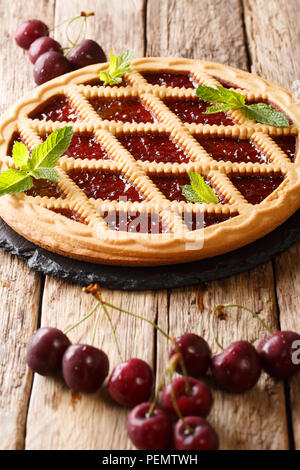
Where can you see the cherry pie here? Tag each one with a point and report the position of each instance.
(119, 199)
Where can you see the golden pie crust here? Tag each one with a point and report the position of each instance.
(35, 219)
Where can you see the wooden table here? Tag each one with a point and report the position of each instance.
(37, 413)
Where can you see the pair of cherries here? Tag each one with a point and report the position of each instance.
(48, 56)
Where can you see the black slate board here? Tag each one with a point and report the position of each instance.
(181, 275)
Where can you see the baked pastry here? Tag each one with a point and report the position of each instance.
(119, 199)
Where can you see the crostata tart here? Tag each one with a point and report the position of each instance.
(120, 198)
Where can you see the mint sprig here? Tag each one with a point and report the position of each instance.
(118, 65)
(198, 190)
(229, 100)
(41, 164)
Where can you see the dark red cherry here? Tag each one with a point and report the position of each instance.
(88, 52)
(49, 65)
(45, 350)
(280, 354)
(237, 368)
(29, 31)
(84, 368)
(195, 352)
(198, 402)
(42, 45)
(131, 382)
(203, 437)
(149, 432)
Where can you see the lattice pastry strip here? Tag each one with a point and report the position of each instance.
(108, 118)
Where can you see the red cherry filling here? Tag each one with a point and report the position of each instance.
(232, 150)
(44, 188)
(98, 82)
(129, 109)
(84, 146)
(153, 148)
(16, 137)
(255, 188)
(56, 109)
(171, 185)
(287, 143)
(191, 110)
(70, 215)
(226, 84)
(105, 185)
(135, 222)
(179, 79)
(198, 220)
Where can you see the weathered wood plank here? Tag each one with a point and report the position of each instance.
(274, 43)
(19, 287)
(202, 31)
(93, 422)
(74, 421)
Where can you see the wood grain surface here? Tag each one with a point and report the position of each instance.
(39, 413)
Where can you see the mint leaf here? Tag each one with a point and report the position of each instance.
(48, 153)
(202, 189)
(20, 155)
(190, 194)
(45, 173)
(218, 108)
(14, 181)
(198, 190)
(266, 114)
(39, 166)
(229, 99)
(220, 95)
(118, 65)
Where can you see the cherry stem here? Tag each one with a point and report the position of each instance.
(82, 14)
(159, 388)
(94, 289)
(154, 325)
(83, 319)
(220, 307)
(171, 369)
(101, 303)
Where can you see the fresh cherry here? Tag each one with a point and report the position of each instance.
(42, 45)
(88, 52)
(202, 437)
(195, 353)
(49, 65)
(198, 402)
(276, 354)
(131, 382)
(149, 432)
(237, 368)
(45, 350)
(29, 31)
(84, 368)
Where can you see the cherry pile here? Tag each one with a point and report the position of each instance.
(176, 416)
(48, 56)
